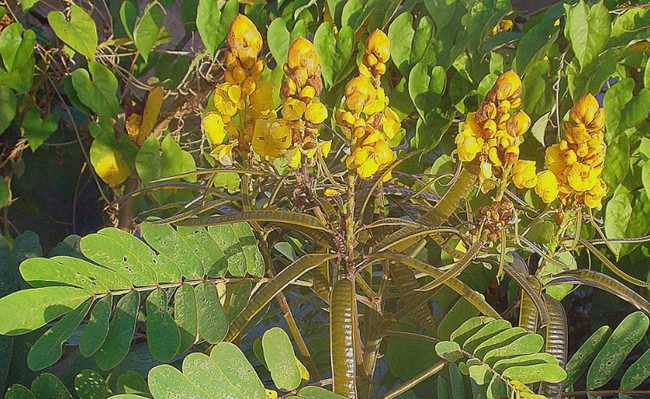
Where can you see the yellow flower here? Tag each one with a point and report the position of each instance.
(524, 174)
(262, 98)
(581, 177)
(547, 186)
(223, 153)
(383, 153)
(316, 113)
(293, 157)
(554, 159)
(377, 103)
(594, 196)
(390, 123)
(293, 109)
(507, 85)
(303, 54)
(518, 124)
(325, 147)
(357, 93)
(270, 137)
(378, 45)
(468, 146)
(368, 168)
(584, 109)
(331, 192)
(214, 128)
(228, 99)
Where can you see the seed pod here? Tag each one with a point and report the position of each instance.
(342, 325)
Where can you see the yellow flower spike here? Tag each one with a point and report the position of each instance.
(581, 177)
(358, 92)
(524, 174)
(378, 45)
(576, 133)
(270, 137)
(244, 39)
(214, 128)
(293, 109)
(262, 98)
(303, 54)
(507, 85)
(584, 109)
(547, 186)
(518, 124)
(316, 113)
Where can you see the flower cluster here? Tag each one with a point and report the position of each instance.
(576, 161)
(493, 135)
(242, 98)
(366, 119)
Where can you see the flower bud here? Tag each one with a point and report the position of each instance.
(378, 44)
(547, 186)
(316, 113)
(524, 174)
(507, 85)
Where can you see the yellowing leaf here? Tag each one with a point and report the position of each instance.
(151, 113)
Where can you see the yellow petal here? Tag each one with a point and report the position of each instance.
(214, 128)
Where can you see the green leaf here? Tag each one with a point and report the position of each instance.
(205, 249)
(637, 373)
(10, 40)
(164, 239)
(163, 337)
(422, 41)
(18, 391)
(237, 371)
(79, 33)
(617, 217)
(37, 130)
(174, 160)
(94, 334)
(89, 384)
(26, 5)
(5, 193)
(166, 382)
(108, 247)
(588, 30)
(456, 316)
(610, 358)
(442, 11)
(185, 314)
(401, 35)
(213, 323)
(132, 382)
(616, 98)
(617, 161)
(537, 96)
(128, 16)
(239, 247)
(645, 177)
(213, 24)
(121, 330)
(534, 45)
(49, 347)
(278, 39)
(530, 343)
(449, 350)
(486, 332)
(334, 51)
(353, 13)
(426, 87)
(31, 308)
(637, 110)
(100, 93)
(8, 103)
(281, 359)
(646, 75)
(148, 29)
(552, 373)
(49, 386)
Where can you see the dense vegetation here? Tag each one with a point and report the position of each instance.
(324, 199)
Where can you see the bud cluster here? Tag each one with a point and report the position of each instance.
(365, 118)
(494, 133)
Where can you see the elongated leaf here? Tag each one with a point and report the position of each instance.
(501, 339)
(163, 337)
(603, 282)
(637, 373)
(96, 330)
(18, 391)
(281, 359)
(29, 309)
(164, 239)
(583, 357)
(42, 272)
(209, 254)
(121, 330)
(588, 30)
(213, 323)
(213, 23)
(278, 38)
(48, 386)
(166, 382)
(237, 370)
(611, 266)
(147, 30)
(271, 289)
(48, 348)
(624, 338)
(185, 313)
(79, 33)
(488, 331)
(530, 343)
(107, 251)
